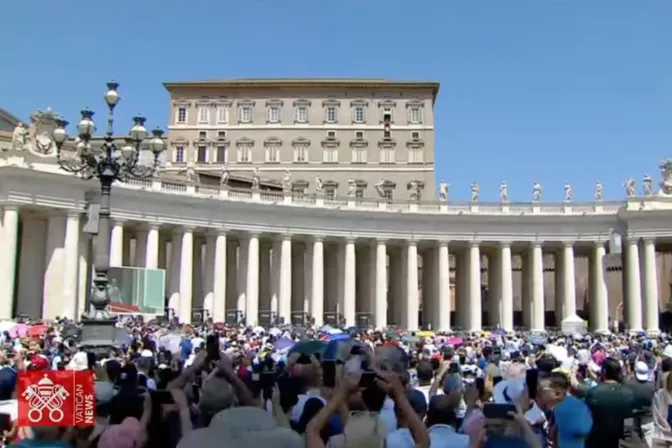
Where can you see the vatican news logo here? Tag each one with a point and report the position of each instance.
(56, 398)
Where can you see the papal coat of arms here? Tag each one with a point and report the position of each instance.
(43, 123)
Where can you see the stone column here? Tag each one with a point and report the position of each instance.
(252, 298)
(396, 291)
(494, 288)
(506, 286)
(537, 283)
(526, 287)
(209, 275)
(430, 305)
(411, 307)
(140, 246)
(475, 315)
(71, 266)
(569, 281)
(651, 309)
(220, 277)
(186, 274)
(349, 289)
(162, 257)
(241, 278)
(307, 277)
(117, 244)
(443, 299)
(633, 297)
(317, 284)
(152, 247)
(365, 271)
(380, 292)
(175, 268)
(461, 292)
(53, 267)
(231, 301)
(10, 227)
(275, 276)
(264, 278)
(285, 280)
(559, 285)
(298, 271)
(599, 302)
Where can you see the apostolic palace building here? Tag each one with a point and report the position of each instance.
(297, 199)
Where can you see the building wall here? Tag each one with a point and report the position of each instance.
(288, 133)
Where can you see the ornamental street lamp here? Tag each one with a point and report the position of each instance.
(108, 163)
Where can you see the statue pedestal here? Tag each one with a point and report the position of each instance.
(99, 335)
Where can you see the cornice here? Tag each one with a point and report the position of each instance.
(331, 102)
(272, 141)
(331, 142)
(415, 143)
(244, 141)
(415, 103)
(387, 143)
(275, 102)
(359, 143)
(245, 102)
(302, 102)
(301, 141)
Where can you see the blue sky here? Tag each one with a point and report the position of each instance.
(547, 90)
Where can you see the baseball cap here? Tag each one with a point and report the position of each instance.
(641, 371)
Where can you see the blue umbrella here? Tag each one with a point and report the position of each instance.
(282, 344)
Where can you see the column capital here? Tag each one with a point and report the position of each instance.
(412, 242)
(504, 244)
(72, 213)
(382, 241)
(216, 232)
(441, 243)
(474, 244)
(350, 239)
(630, 239)
(317, 239)
(11, 207)
(536, 244)
(566, 244)
(153, 226)
(649, 239)
(280, 237)
(118, 222)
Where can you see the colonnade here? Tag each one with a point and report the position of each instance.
(255, 273)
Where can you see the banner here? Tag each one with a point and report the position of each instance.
(137, 290)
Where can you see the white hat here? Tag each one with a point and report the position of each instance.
(641, 371)
(667, 352)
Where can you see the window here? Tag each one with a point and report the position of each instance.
(203, 115)
(331, 134)
(415, 155)
(359, 155)
(222, 114)
(222, 154)
(272, 154)
(387, 115)
(181, 115)
(179, 154)
(244, 154)
(330, 192)
(415, 135)
(387, 155)
(299, 191)
(330, 155)
(388, 193)
(202, 154)
(301, 114)
(221, 135)
(202, 135)
(415, 115)
(330, 114)
(359, 114)
(246, 114)
(301, 154)
(359, 135)
(274, 114)
(359, 192)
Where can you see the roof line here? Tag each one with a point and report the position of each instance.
(9, 117)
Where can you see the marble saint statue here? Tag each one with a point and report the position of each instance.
(630, 187)
(443, 191)
(256, 181)
(568, 192)
(224, 177)
(647, 185)
(504, 192)
(536, 192)
(19, 137)
(474, 192)
(319, 185)
(599, 191)
(287, 181)
(379, 187)
(414, 186)
(352, 188)
(192, 175)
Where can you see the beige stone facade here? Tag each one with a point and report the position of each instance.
(342, 130)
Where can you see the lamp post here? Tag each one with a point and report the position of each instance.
(108, 164)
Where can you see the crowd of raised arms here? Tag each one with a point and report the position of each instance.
(214, 385)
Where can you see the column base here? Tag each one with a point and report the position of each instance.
(653, 332)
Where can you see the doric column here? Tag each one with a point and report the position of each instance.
(651, 311)
(241, 276)
(506, 287)
(186, 274)
(475, 309)
(412, 305)
(599, 302)
(380, 292)
(494, 288)
(174, 277)
(265, 278)
(633, 297)
(140, 246)
(220, 277)
(117, 244)
(442, 288)
(252, 296)
(285, 280)
(317, 283)
(537, 283)
(70, 266)
(569, 281)
(349, 287)
(152, 247)
(10, 227)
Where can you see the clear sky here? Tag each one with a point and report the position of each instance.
(552, 91)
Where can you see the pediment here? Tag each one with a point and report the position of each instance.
(223, 102)
(415, 103)
(331, 102)
(245, 141)
(420, 184)
(331, 142)
(302, 102)
(388, 184)
(330, 184)
(361, 183)
(201, 142)
(246, 102)
(223, 141)
(179, 141)
(387, 103)
(387, 143)
(204, 102)
(275, 102)
(273, 141)
(181, 102)
(359, 102)
(300, 183)
(415, 143)
(301, 141)
(359, 143)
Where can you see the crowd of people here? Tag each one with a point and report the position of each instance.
(214, 385)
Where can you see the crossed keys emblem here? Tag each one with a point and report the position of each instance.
(45, 395)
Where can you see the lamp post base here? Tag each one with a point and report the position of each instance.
(100, 335)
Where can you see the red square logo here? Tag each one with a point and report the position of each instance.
(56, 398)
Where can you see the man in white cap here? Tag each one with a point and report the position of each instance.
(643, 390)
